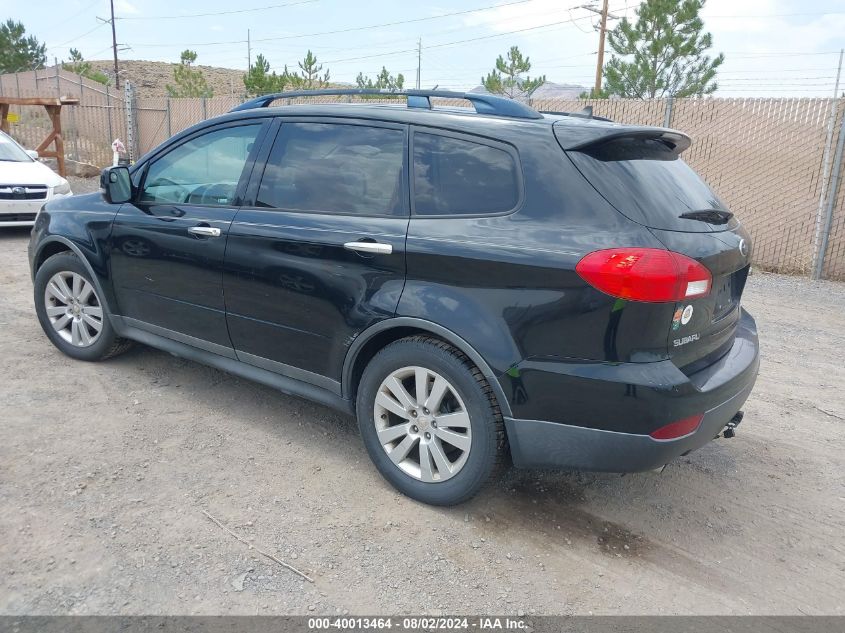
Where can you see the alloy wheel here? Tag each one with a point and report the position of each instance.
(422, 424)
(73, 308)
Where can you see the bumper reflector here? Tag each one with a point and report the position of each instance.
(677, 429)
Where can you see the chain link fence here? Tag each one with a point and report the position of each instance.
(773, 161)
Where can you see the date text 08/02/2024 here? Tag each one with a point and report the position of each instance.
(416, 623)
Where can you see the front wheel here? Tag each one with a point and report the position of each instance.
(429, 420)
(71, 312)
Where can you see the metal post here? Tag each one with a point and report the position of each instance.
(667, 116)
(75, 133)
(18, 84)
(130, 120)
(831, 201)
(818, 252)
(204, 110)
(58, 79)
(167, 105)
(108, 110)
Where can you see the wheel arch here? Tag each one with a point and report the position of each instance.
(370, 341)
(56, 244)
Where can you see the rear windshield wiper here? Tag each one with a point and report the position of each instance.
(711, 216)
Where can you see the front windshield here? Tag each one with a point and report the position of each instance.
(11, 151)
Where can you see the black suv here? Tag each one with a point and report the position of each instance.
(471, 283)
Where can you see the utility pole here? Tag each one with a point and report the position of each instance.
(600, 60)
(419, 61)
(604, 15)
(114, 44)
(248, 52)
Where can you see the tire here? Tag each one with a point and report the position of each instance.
(78, 314)
(408, 443)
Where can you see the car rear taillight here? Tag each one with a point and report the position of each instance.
(678, 429)
(645, 274)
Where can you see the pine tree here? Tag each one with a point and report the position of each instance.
(17, 52)
(384, 81)
(662, 53)
(260, 81)
(79, 66)
(309, 77)
(190, 82)
(507, 78)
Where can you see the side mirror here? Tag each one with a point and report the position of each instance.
(32, 153)
(115, 185)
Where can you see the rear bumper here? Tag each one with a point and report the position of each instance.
(662, 394)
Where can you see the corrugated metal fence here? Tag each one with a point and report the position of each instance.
(771, 160)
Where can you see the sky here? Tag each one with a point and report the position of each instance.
(772, 47)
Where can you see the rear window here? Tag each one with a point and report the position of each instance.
(335, 168)
(454, 176)
(647, 181)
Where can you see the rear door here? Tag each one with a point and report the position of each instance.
(646, 180)
(317, 254)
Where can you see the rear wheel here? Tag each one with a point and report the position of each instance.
(429, 420)
(71, 312)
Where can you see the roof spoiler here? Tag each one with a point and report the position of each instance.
(483, 103)
(580, 138)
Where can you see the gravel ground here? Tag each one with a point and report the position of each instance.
(83, 185)
(106, 470)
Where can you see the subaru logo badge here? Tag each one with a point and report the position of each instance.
(743, 248)
(18, 192)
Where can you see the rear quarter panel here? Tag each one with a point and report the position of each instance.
(507, 284)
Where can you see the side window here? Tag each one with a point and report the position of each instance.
(204, 170)
(458, 177)
(335, 168)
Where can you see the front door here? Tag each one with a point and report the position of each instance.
(167, 246)
(317, 253)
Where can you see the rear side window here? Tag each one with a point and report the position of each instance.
(335, 168)
(454, 176)
(647, 181)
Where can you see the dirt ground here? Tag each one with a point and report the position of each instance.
(106, 469)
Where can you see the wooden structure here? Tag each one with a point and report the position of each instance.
(53, 106)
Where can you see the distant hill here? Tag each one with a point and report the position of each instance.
(151, 78)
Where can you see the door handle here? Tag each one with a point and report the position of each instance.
(204, 231)
(376, 248)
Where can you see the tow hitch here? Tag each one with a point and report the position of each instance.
(730, 429)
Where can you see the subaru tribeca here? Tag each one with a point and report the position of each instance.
(472, 284)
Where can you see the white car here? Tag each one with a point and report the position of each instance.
(25, 184)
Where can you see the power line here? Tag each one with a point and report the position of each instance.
(78, 37)
(502, 34)
(771, 70)
(454, 43)
(73, 16)
(354, 28)
(746, 55)
(772, 15)
(205, 15)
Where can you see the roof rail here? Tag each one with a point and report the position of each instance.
(483, 103)
(586, 113)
